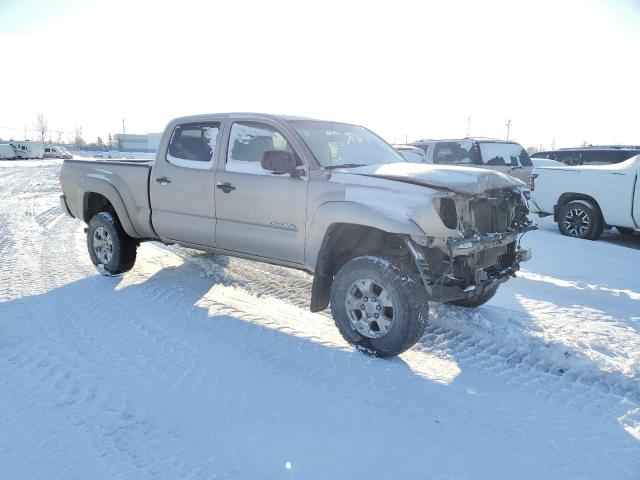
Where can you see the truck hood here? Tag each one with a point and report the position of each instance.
(468, 180)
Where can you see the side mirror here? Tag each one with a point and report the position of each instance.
(279, 161)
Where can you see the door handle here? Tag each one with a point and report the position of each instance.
(163, 180)
(226, 187)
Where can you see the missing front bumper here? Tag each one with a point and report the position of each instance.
(472, 267)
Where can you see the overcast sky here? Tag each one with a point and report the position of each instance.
(563, 70)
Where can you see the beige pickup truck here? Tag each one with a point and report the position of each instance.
(381, 236)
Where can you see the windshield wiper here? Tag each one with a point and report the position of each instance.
(345, 165)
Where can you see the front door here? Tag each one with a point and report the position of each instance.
(182, 186)
(258, 212)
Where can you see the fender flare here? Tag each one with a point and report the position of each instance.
(102, 186)
(350, 213)
(335, 213)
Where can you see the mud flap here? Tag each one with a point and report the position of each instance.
(320, 292)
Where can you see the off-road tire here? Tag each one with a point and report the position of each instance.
(625, 230)
(476, 301)
(124, 247)
(596, 225)
(410, 306)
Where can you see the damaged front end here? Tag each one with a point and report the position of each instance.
(481, 249)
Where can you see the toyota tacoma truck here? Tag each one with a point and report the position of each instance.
(381, 236)
(586, 199)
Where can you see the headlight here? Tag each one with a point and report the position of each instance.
(447, 211)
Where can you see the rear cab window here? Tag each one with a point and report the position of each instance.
(569, 157)
(193, 145)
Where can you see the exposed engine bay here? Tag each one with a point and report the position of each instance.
(486, 250)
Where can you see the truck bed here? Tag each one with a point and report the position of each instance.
(129, 178)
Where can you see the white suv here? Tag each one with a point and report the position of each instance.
(500, 155)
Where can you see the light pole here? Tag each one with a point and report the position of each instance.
(508, 128)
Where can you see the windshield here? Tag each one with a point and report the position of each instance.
(340, 144)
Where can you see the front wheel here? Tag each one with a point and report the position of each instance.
(109, 245)
(379, 305)
(580, 219)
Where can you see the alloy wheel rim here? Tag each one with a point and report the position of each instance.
(577, 222)
(370, 308)
(102, 245)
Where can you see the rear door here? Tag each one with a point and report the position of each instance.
(258, 212)
(182, 185)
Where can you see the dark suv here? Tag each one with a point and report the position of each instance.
(594, 155)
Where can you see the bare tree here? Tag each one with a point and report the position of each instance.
(78, 141)
(59, 138)
(534, 149)
(42, 127)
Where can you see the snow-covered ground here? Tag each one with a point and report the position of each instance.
(200, 366)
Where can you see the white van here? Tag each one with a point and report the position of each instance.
(6, 152)
(28, 149)
(56, 151)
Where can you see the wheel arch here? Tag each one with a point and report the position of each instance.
(570, 197)
(341, 243)
(100, 194)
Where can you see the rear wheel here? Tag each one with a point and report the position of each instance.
(580, 219)
(379, 305)
(476, 301)
(109, 245)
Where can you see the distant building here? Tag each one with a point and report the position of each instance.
(132, 142)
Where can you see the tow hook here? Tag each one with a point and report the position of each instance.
(524, 254)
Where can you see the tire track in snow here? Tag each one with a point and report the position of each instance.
(533, 366)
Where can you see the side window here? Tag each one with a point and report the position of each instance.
(247, 144)
(193, 145)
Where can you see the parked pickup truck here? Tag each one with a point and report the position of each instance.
(381, 236)
(586, 199)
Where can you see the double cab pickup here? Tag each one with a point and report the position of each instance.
(381, 236)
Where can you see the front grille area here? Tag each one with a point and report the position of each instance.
(500, 211)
